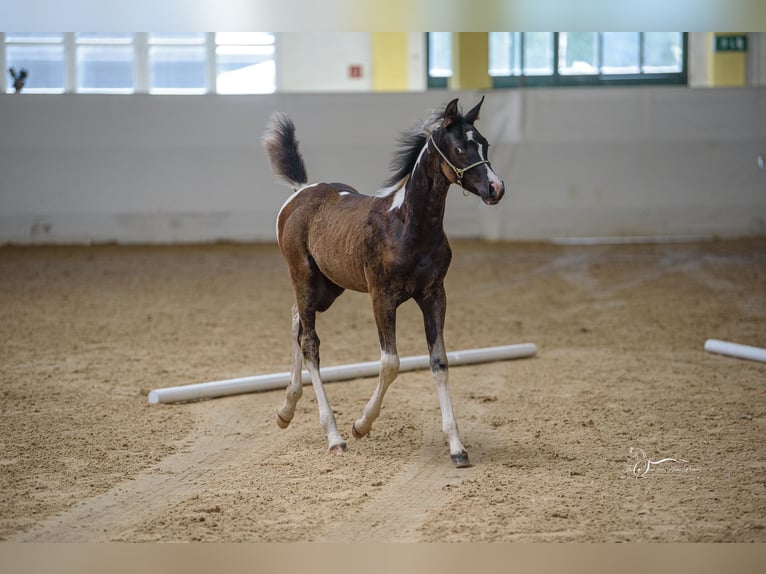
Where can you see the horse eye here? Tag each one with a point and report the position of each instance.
(458, 150)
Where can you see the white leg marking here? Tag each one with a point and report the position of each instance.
(449, 425)
(389, 369)
(326, 416)
(295, 388)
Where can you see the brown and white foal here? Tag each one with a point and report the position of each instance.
(391, 245)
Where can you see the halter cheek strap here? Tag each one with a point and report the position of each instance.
(459, 171)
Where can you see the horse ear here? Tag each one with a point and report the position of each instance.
(451, 113)
(473, 115)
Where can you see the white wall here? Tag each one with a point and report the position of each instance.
(756, 59)
(698, 59)
(319, 61)
(576, 162)
(636, 162)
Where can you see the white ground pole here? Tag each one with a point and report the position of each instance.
(335, 373)
(735, 350)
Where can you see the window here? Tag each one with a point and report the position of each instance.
(578, 58)
(177, 63)
(42, 56)
(537, 53)
(244, 63)
(439, 59)
(579, 53)
(154, 62)
(105, 62)
(621, 53)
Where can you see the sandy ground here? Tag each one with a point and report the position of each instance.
(621, 378)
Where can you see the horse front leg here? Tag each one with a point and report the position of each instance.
(434, 307)
(385, 319)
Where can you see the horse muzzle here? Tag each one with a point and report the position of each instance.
(495, 193)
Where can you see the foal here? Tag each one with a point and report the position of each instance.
(391, 245)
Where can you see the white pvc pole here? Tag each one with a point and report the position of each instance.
(337, 373)
(735, 350)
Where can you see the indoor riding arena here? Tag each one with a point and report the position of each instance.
(138, 252)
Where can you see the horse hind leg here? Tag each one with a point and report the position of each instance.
(310, 349)
(295, 388)
(316, 294)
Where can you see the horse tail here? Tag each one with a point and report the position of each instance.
(282, 148)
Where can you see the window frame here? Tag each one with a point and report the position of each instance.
(5, 82)
(141, 47)
(85, 44)
(433, 82)
(557, 79)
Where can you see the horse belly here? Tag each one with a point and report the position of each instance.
(342, 264)
(338, 251)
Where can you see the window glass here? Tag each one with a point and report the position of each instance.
(440, 54)
(105, 69)
(663, 52)
(44, 64)
(504, 53)
(177, 69)
(578, 53)
(176, 38)
(104, 37)
(37, 37)
(621, 52)
(252, 38)
(538, 53)
(245, 63)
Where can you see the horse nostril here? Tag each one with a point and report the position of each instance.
(498, 189)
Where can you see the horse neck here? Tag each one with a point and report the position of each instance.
(426, 194)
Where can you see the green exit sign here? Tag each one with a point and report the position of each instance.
(736, 43)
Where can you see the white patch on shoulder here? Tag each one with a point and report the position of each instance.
(288, 200)
(398, 198)
(386, 191)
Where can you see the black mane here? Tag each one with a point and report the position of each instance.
(411, 143)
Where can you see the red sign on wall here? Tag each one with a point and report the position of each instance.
(355, 71)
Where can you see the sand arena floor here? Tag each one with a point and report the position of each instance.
(620, 378)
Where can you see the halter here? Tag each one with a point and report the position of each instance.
(459, 171)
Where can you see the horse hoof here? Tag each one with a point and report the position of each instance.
(355, 432)
(338, 448)
(282, 423)
(460, 460)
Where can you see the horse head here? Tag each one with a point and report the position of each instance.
(464, 151)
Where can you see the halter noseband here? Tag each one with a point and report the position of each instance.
(459, 171)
